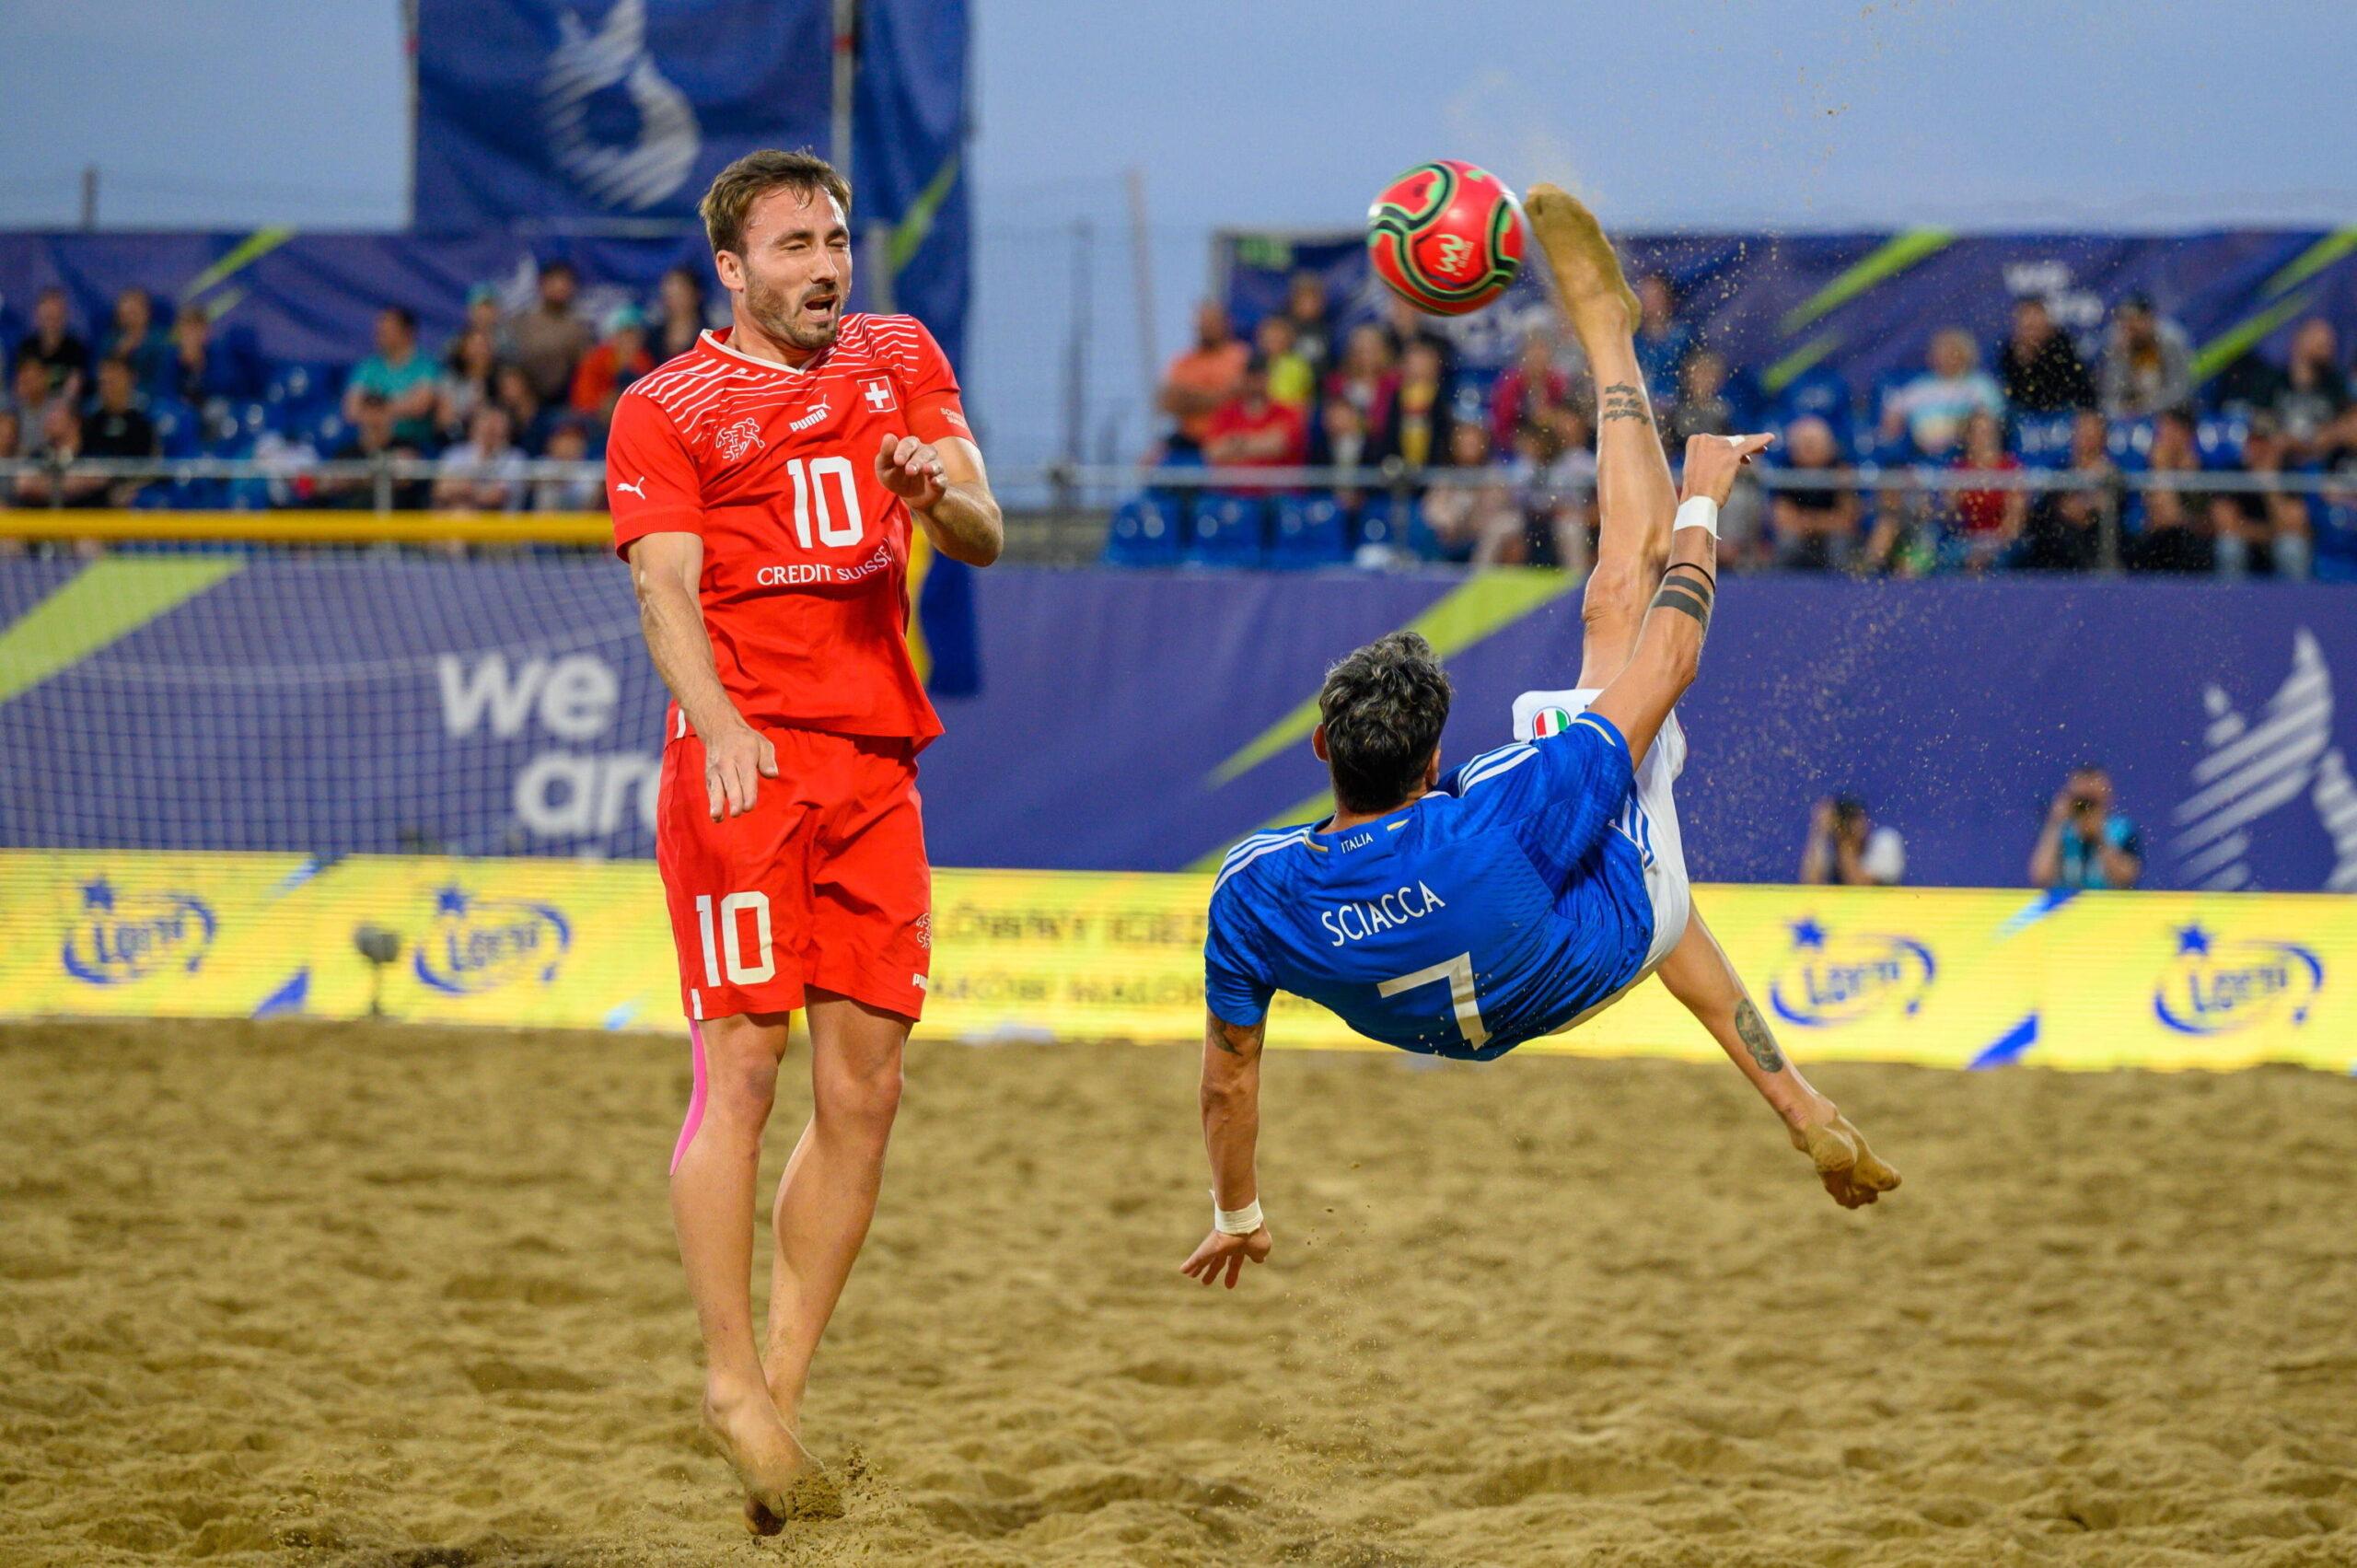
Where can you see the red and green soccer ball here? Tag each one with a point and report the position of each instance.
(1446, 237)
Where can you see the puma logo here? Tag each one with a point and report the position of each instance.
(638, 490)
(807, 420)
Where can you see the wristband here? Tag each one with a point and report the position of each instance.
(1700, 511)
(1235, 1222)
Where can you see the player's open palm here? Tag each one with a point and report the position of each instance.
(910, 470)
(1224, 1254)
(735, 762)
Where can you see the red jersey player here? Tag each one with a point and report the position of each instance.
(764, 485)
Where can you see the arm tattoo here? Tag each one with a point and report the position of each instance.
(1753, 1030)
(1688, 595)
(1621, 401)
(1678, 599)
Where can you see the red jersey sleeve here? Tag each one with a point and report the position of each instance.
(931, 392)
(650, 477)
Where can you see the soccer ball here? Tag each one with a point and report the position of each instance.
(1446, 237)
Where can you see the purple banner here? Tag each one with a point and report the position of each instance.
(335, 706)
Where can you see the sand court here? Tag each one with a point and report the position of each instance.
(353, 1294)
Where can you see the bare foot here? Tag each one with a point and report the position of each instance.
(770, 1464)
(1851, 1171)
(1595, 295)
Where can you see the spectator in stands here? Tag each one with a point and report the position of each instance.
(527, 418)
(550, 338)
(371, 440)
(1365, 378)
(2267, 529)
(1987, 523)
(569, 443)
(482, 314)
(1252, 430)
(12, 443)
(1313, 322)
(1814, 530)
(1339, 437)
(486, 472)
(2086, 842)
(2038, 369)
(1931, 410)
(397, 372)
(35, 391)
(468, 369)
(606, 370)
(1292, 381)
(1200, 381)
(58, 443)
(1663, 341)
(140, 341)
(2064, 529)
(1531, 383)
(1404, 325)
(1418, 431)
(680, 311)
(2147, 362)
(1847, 849)
(1701, 405)
(1559, 501)
(1476, 523)
(64, 358)
(201, 373)
(2171, 535)
(2311, 403)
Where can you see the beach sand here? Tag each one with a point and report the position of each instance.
(351, 1294)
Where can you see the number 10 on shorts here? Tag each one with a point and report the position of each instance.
(729, 949)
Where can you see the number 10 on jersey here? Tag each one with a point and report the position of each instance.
(811, 482)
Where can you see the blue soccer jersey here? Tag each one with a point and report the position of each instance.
(1496, 909)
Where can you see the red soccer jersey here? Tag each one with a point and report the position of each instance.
(806, 553)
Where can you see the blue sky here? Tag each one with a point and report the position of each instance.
(1763, 114)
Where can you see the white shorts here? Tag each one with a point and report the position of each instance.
(1650, 823)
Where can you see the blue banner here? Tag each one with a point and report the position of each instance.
(1137, 721)
(573, 116)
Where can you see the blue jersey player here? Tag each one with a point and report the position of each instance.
(1531, 887)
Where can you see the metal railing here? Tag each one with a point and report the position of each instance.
(1077, 496)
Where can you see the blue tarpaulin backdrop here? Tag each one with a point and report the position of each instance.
(337, 705)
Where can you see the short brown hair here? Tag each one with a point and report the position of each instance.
(1383, 707)
(751, 178)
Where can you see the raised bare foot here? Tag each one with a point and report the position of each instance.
(771, 1465)
(1595, 295)
(1851, 1171)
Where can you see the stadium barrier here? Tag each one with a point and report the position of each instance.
(1947, 978)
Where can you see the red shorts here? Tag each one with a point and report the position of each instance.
(822, 885)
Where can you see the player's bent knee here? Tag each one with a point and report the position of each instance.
(860, 1097)
(1616, 591)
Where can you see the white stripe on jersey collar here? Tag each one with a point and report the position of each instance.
(739, 353)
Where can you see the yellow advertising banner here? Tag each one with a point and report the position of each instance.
(1942, 977)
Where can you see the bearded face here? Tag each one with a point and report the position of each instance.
(795, 269)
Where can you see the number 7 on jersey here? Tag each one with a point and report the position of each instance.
(1459, 972)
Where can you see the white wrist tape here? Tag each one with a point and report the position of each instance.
(1235, 1222)
(1702, 512)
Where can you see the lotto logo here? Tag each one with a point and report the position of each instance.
(876, 393)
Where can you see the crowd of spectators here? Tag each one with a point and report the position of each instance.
(1499, 467)
(507, 387)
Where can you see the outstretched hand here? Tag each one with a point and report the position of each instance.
(1851, 1171)
(1712, 462)
(1222, 1252)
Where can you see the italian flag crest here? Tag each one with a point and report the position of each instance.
(1550, 721)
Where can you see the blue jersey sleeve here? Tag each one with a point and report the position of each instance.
(1561, 791)
(1235, 983)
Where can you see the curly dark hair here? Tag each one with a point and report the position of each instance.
(1384, 707)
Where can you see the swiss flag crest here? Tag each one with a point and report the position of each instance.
(875, 393)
